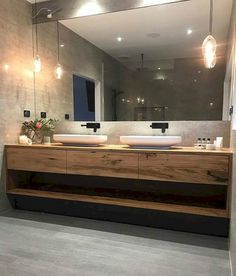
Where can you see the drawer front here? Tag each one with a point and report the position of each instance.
(39, 160)
(110, 164)
(191, 168)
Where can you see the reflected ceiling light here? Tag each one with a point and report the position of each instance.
(158, 2)
(6, 67)
(37, 64)
(90, 8)
(58, 69)
(189, 31)
(209, 44)
(37, 60)
(119, 38)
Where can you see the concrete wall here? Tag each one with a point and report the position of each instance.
(16, 86)
(189, 130)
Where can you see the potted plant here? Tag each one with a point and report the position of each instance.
(38, 129)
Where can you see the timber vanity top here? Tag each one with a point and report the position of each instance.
(177, 181)
(225, 151)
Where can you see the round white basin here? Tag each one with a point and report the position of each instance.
(80, 139)
(151, 141)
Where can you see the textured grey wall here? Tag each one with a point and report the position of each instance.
(189, 130)
(16, 86)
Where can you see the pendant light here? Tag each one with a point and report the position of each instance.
(209, 44)
(58, 69)
(37, 60)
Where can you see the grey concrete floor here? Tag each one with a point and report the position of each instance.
(44, 244)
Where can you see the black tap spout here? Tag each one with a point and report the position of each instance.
(162, 126)
(94, 126)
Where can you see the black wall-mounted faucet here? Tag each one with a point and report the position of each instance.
(95, 126)
(162, 126)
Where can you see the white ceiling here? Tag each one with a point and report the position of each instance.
(170, 21)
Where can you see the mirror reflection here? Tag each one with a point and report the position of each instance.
(137, 65)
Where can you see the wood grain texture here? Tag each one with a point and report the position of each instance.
(108, 164)
(124, 202)
(123, 148)
(38, 160)
(189, 168)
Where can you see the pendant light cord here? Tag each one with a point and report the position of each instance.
(58, 43)
(36, 29)
(142, 57)
(211, 17)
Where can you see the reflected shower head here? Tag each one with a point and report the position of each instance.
(51, 13)
(39, 11)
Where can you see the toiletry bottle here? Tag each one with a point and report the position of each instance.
(219, 142)
(208, 140)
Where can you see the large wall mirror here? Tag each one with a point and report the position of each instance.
(136, 65)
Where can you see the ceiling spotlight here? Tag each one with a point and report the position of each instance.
(62, 45)
(159, 68)
(189, 32)
(119, 38)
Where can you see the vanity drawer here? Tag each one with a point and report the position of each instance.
(110, 164)
(38, 160)
(190, 168)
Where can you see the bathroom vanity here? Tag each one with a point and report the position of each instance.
(183, 188)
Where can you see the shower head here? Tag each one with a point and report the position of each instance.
(39, 11)
(51, 13)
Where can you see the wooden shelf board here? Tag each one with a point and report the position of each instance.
(123, 202)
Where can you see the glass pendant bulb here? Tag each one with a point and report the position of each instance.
(210, 61)
(209, 51)
(37, 64)
(209, 45)
(58, 71)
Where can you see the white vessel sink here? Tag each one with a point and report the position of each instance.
(80, 139)
(151, 141)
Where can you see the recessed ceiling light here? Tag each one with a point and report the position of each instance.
(189, 31)
(159, 68)
(62, 45)
(119, 38)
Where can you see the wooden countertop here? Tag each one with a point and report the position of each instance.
(124, 148)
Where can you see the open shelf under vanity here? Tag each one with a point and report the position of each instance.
(162, 196)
